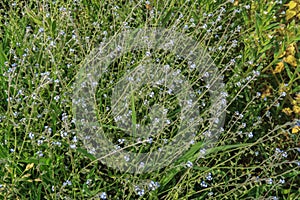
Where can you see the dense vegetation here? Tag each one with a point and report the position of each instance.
(255, 49)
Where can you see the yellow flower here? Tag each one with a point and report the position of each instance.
(279, 68)
(297, 98)
(267, 92)
(290, 59)
(293, 10)
(287, 111)
(296, 109)
(291, 4)
(290, 14)
(295, 129)
(236, 2)
(290, 50)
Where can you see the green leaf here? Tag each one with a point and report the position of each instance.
(286, 191)
(190, 154)
(3, 152)
(289, 72)
(227, 147)
(171, 173)
(266, 47)
(33, 16)
(31, 160)
(201, 168)
(86, 153)
(133, 116)
(166, 18)
(3, 57)
(296, 90)
(258, 24)
(271, 26)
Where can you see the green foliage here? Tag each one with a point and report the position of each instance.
(43, 45)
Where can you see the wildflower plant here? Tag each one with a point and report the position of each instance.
(149, 99)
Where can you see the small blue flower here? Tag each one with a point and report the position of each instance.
(250, 135)
(103, 195)
(141, 192)
(189, 164)
(203, 184)
(281, 181)
(208, 177)
(270, 181)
